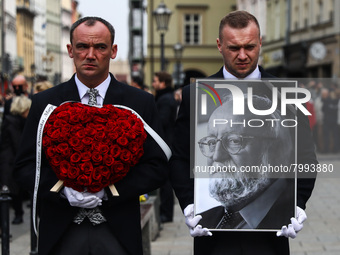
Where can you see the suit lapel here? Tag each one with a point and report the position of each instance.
(115, 92)
(70, 91)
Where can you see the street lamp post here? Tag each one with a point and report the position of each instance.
(162, 15)
(178, 50)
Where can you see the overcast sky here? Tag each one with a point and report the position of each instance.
(114, 11)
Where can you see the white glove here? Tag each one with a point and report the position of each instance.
(295, 226)
(84, 200)
(191, 221)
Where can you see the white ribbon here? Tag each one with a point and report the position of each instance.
(44, 117)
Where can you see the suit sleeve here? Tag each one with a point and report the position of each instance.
(181, 181)
(305, 155)
(25, 165)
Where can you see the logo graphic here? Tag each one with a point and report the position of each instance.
(204, 97)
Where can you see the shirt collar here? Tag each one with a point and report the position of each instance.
(102, 88)
(253, 214)
(256, 74)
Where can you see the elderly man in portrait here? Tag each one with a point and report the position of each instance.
(243, 151)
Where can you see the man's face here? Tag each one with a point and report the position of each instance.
(240, 49)
(91, 50)
(19, 85)
(156, 84)
(239, 146)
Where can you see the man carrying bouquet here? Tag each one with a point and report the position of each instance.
(91, 148)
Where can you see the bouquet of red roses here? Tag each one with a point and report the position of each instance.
(90, 148)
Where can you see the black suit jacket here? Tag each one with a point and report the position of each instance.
(183, 185)
(122, 213)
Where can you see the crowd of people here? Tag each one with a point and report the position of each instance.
(16, 106)
(325, 108)
(108, 222)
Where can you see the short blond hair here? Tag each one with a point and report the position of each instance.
(20, 104)
(42, 85)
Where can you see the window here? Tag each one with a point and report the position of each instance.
(192, 28)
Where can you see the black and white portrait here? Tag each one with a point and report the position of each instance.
(247, 158)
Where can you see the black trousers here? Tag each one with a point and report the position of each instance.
(167, 202)
(86, 239)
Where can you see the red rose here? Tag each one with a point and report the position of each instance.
(123, 141)
(74, 185)
(84, 180)
(81, 134)
(87, 141)
(50, 151)
(55, 161)
(134, 147)
(75, 142)
(62, 148)
(95, 187)
(125, 155)
(73, 172)
(115, 150)
(97, 174)
(105, 172)
(86, 156)
(86, 167)
(99, 119)
(108, 160)
(118, 166)
(99, 135)
(75, 157)
(64, 169)
(96, 157)
(125, 124)
(103, 148)
(55, 134)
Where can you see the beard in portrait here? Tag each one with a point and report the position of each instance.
(248, 155)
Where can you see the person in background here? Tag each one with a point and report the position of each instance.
(41, 86)
(239, 43)
(80, 223)
(331, 134)
(167, 108)
(13, 126)
(137, 82)
(20, 86)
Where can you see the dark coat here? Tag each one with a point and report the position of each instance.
(167, 108)
(122, 212)
(13, 126)
(183, 184)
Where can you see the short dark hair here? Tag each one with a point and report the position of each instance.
(164, 77)
(90, 21)
(237, 19)
(139, 81)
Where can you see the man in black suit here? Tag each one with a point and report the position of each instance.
(73, 222)
(239, 42)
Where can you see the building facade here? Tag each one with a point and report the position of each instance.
(194, 24)
(302, 38)
(53, 40)
(39, 39)
(67, 68)
(25, 37)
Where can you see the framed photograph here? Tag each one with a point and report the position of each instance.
(244, 152)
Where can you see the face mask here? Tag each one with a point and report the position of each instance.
(18, 90)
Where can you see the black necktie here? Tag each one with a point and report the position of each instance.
(93, 93)
(230, 220)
